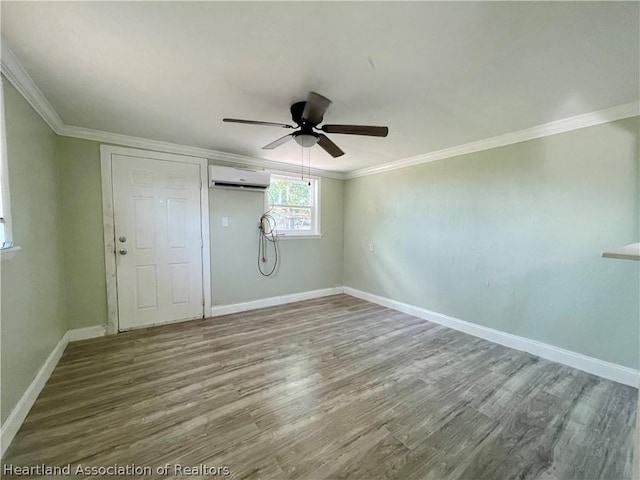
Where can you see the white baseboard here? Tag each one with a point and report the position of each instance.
(14, 421)
(597, 367)
(20, 411)
(601, 368)
(218, 310)
(86, 333)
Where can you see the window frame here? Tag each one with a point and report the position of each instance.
(316, 223)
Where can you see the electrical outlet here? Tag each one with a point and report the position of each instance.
(371, 247)
(225, 221)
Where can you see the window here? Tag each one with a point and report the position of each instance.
(5, 211)
(294, 204)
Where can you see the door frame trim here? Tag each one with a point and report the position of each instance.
(108, 223)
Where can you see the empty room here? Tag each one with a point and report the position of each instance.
(320, 240)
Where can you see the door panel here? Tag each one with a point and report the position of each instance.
(158, 240)
(177, 211)
(143, 222)
(146, 287)
(179, 283)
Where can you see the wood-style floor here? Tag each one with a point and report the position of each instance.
(329, 388)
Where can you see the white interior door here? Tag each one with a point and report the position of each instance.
(158, 240)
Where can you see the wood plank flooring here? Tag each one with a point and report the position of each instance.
(331, 388)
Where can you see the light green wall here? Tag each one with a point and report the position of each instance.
(235, 277)
(511, 238)
(57, 202)
(305, 264)
(79, 160)
(33, 290)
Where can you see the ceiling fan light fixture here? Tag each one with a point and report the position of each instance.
(306, 140)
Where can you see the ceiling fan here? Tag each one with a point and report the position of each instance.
(307, 115)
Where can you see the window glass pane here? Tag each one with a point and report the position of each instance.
(291, 204)
(3, 159)
(290, 192)
(292, 218)
(5, 214)
(1, 182)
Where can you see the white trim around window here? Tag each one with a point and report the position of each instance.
(7, 247)
(316, 226)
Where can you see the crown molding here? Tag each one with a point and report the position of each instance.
(13, 70)
(552, 128)
(167, 147)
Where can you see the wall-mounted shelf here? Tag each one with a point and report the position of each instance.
(628, 252)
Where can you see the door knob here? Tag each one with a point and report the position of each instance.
(122, 239)
(123, 251)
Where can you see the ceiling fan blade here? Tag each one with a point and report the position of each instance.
(330, 147)
(278, 142)
(357, 130)
(315, 107)
(255, 122)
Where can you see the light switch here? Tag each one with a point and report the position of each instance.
(225, 221)
(371, 247)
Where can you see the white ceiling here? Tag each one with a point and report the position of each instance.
(438, 74)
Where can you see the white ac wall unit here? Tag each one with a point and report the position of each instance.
(239, 178)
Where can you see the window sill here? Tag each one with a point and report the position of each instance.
(629, 252)
(283, 236)
(7, 253)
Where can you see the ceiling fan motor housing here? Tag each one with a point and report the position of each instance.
(296, 113)
(306, 137)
